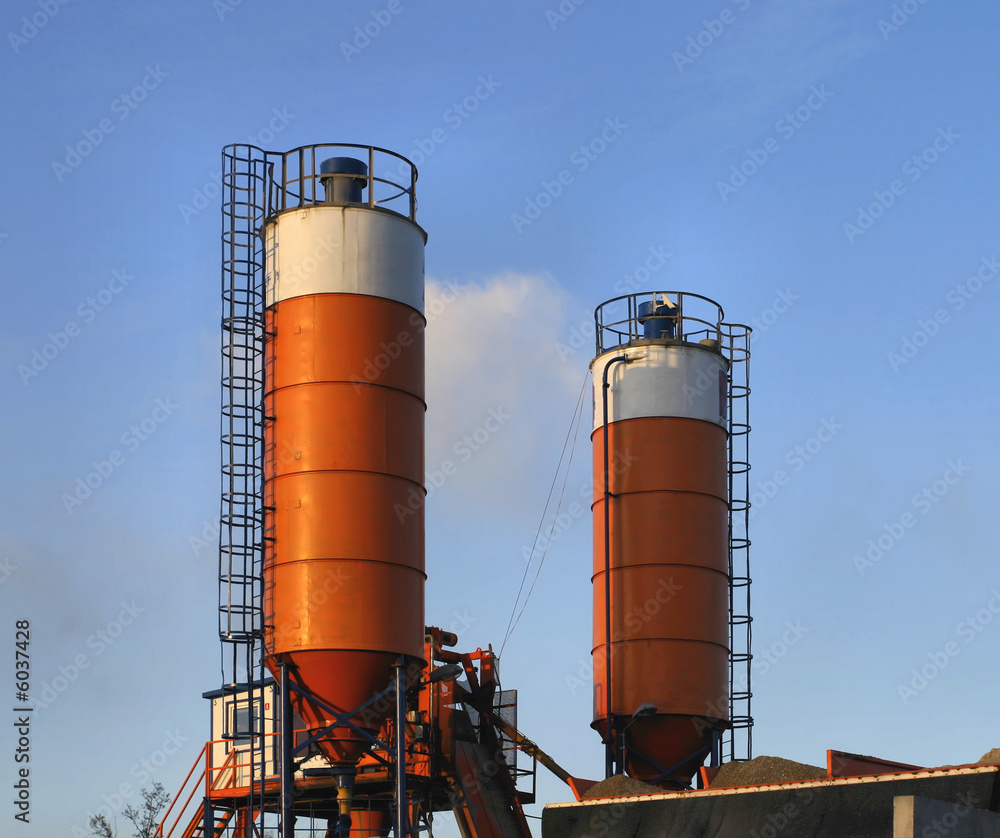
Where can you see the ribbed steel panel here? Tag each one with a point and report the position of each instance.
(340, 249)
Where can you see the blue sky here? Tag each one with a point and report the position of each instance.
(824, 170)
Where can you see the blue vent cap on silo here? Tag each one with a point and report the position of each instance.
(344, 179)
(658, 319)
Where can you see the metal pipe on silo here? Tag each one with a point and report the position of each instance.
(609, 734)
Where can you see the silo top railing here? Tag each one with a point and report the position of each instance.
(295, 179)
(694, 318)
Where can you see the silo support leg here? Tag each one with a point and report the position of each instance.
(287, 768)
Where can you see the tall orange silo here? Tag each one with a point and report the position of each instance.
(344, 438)
(661, 534)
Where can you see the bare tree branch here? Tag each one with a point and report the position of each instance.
(144, 818)
(100, 827)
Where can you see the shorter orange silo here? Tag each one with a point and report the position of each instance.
(661, 536)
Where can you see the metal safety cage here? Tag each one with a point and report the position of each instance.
(244, 184)
(737, 743)
(241, 522)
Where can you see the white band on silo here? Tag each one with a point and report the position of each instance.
(673, 380)
(344, 250)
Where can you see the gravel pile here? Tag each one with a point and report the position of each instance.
(620, 785)
(762, 770)
(756, 772)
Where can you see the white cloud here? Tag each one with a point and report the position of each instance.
(499, 397)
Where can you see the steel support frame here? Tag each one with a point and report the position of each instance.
(289, 749)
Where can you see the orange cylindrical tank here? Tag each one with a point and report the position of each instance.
(371, 823)
(343, 460)
(668, 466)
